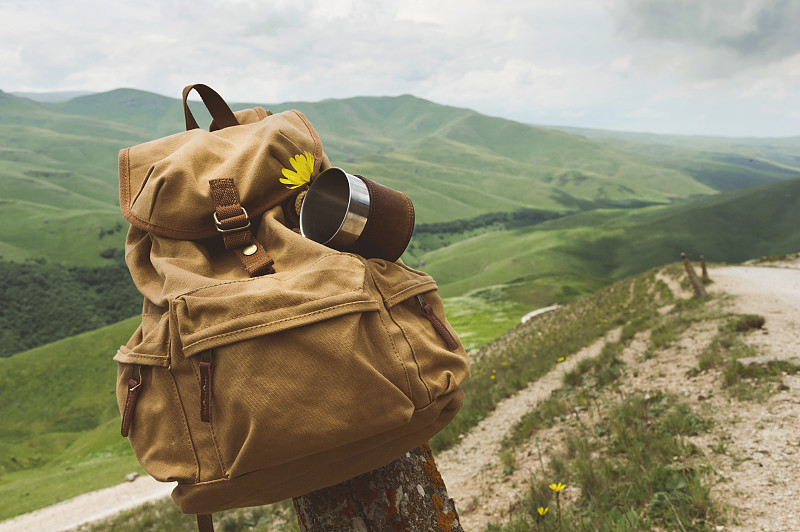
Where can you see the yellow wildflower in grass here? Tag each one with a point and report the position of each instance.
(557, 488)
(303, 165)
(560, 359)
(542, 511)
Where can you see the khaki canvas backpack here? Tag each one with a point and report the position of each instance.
(266, 365)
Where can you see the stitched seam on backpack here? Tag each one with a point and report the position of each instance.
(411, 348)
(187, 432)
(401, 295)
(272, 323)
(146, 360)
(289, 318)
(249, 279)
(210, 424)
(397, 355)
(414, 356)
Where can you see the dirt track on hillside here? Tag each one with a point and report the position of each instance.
(762, 467)
(763, 461)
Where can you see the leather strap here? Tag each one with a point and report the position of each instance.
(205, 523)
(134, 387)
(220, 112)
(234, 224)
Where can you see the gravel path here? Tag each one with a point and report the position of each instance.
(470, 469)
(770, 292)
(89, 507)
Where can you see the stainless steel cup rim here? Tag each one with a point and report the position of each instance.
(335, 208)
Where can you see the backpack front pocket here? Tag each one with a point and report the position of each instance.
(425, 340)
(147, 395)
(283, 372)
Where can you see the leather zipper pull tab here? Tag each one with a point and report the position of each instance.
(206, 372)
(134, 387)
(440, 327)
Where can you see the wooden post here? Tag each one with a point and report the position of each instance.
(705, 276)
(699, 289)
(406, 495)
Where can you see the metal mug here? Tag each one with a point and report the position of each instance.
(351, 213)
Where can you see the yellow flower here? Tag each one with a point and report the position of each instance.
(542, 511)
(557, 487)
(560, 359)
(303, 165)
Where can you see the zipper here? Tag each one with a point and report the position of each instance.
(206, 372)
(441, 328)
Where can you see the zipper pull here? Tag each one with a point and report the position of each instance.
(206, 371)
(440, 327)
(134, 387)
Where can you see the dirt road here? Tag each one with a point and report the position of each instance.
(89, 507)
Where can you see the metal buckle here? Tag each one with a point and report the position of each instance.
(234, 229)
(139, 382)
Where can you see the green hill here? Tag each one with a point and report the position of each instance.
(58, 184)
(60, 431)
(614, 243)
(767, 154)
(59, 169)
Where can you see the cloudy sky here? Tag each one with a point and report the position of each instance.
(713, 67)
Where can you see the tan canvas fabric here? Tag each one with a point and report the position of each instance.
(250, 390)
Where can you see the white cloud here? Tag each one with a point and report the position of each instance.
(612, 60)
(646, 112)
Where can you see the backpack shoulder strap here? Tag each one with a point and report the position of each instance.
(204, 523)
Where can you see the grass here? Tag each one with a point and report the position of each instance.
(531, 350)
(629, 456)
(60, 431)
(614, 243)
(634, 469)
(483, 315)
(25, 491)
(165, 516)
(55, 416)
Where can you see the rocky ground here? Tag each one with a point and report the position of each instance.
(757, 475)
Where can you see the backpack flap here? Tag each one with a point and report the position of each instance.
(164, 184)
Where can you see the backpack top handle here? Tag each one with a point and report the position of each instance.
(220, 112)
